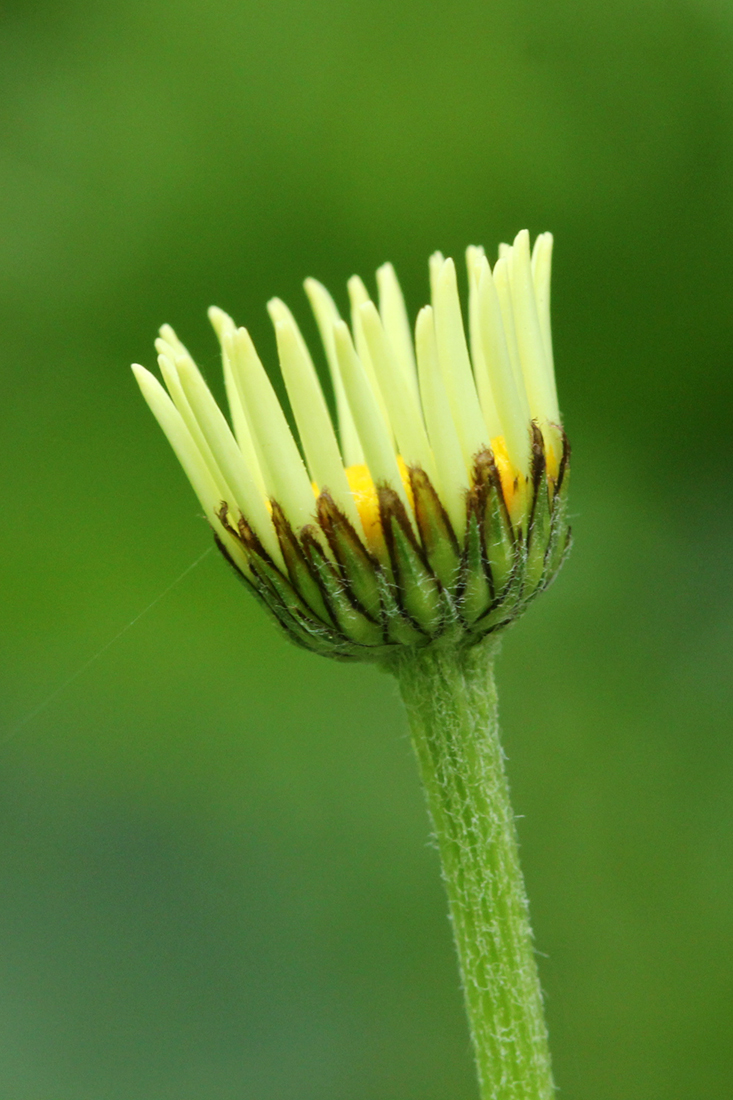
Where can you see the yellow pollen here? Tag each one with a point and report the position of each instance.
(365, 496)
(365, 493)
(507, 472)
(511, 482)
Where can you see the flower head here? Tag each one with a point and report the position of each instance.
(433, 509)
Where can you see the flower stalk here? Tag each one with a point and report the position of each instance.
(451, 701)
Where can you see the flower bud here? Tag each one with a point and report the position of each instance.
(432, 508)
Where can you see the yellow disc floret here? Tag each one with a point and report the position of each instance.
(365, 497)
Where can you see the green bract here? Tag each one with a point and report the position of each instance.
(435, 508)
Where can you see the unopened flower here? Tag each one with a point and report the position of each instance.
(433, 509)
(406, 530)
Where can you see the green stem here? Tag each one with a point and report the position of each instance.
(451, 702)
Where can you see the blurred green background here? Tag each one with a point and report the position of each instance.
(215, 880)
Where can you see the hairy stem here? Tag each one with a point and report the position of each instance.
(452, 706)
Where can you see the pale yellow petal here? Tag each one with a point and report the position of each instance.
(541, 275)
(312, 417)
(225, 327)
(404, 411)
(358, 295)
(452, 476)
(327, 315)
(247, 497)
(285, 475)
(375, 440)
(474, 258)
(455, 365)
(397, 324)
(189, 456)
(535, 368)
(508, 399)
